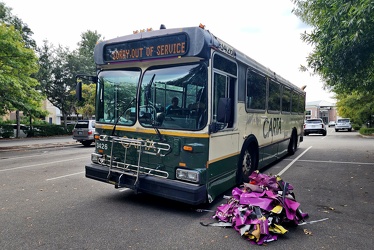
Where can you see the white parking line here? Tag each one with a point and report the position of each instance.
(41, 164)
(292, 162)
(63, 176)
(337, 162)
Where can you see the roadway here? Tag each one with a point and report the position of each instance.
(47, 203)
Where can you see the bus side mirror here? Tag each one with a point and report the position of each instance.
(78, 90)
(78, 79)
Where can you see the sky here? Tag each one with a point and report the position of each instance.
(265, 30)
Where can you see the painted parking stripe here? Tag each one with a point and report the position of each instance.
(63, 176)
(292, 162)
(337, 162)
(41, 164)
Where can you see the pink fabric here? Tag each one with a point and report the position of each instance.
(251, 205)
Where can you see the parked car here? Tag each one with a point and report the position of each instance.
(84, 131)
(331, 124)
(315, 126)
(343, 124)
(10, 131)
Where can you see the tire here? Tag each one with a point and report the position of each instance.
(349, 130)
(336, 130)
(292, 146)
(86, 143)
(324, 133)
(248, 162)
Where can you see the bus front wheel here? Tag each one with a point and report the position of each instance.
(248, 162)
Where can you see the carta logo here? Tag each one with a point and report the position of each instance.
(272, 126)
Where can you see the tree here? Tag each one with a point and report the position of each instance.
(84, 63)
(357, 106)
(18, 88)
(343, 38)
(26, 33)
(56, 77)
(58, 68)
(17, 64)
(87, 108)
(86, 48)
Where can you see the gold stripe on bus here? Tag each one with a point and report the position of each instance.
(222, 158)
(152, 131)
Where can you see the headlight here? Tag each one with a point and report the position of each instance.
(95, 157)
(187, 175)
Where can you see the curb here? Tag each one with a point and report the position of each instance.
(38, 146)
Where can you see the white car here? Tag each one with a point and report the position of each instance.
(314, 126)
(84, 131)
(343, 124)
(332, 124)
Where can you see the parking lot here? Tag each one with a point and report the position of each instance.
(47, 203)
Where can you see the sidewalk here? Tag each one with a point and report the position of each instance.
(14, 144)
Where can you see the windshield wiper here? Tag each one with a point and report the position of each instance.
(147, 96)
(119, 117)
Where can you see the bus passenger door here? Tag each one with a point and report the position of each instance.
(223, 150)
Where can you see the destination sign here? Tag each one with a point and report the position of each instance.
(173, 45)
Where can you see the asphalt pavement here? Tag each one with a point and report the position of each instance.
(36, 142)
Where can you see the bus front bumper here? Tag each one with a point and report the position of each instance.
(171, 189)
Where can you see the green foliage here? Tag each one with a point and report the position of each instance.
(56, 77)
(343, 38)
(6, 130)
(49, 130)
(358, 106)
(87, 107)
(367, 131)
(38, 128)
(18, 62)
(85, 51)
(7, 18)
(356, 126)
(58, 68)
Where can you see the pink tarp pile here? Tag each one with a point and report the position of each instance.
(258, 209)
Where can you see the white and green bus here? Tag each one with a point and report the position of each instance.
(233, 115)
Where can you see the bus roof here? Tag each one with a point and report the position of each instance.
(169, 43)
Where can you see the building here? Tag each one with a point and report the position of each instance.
(53, 117)
(321, 109)
(54, 114)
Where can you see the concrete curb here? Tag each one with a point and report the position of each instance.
(38, 146)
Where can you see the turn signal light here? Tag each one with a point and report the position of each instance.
(188, 148)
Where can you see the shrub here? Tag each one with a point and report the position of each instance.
(38, 129)
(367, 131)
(356, 127)
(6, 130)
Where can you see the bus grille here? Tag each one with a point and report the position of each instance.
(142, 147)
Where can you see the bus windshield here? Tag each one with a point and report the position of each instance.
(116, 95)
(174, 97)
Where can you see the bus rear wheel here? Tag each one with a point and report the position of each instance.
(292, 147)
(247, 164)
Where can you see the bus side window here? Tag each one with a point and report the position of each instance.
(274, 96)
(256, 91)
(286, 99)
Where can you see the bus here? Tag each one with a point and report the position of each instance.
(233, 115)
